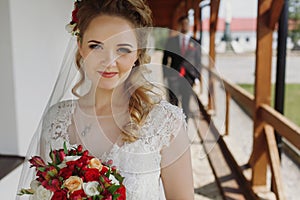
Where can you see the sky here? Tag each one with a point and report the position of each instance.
(240, 9)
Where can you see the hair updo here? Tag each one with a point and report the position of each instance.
(139, 15)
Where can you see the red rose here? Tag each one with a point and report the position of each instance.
(91, 174)
(104, 170)
(59, 195)
(65, 172)
(77, 195)
(122, 192)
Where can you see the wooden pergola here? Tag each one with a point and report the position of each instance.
(266, 119)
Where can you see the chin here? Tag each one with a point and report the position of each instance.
(107, 87)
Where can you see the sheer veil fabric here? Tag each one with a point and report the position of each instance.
(162, 136)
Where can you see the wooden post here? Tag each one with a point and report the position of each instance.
(214, 12)
(227, 113)
(196, 16)
(260, 155)
(262, 91)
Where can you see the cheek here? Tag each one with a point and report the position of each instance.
(125, 63)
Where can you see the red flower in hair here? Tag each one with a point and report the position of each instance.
(74, 14)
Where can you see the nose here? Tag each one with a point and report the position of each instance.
(108, 58)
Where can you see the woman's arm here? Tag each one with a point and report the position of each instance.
(176, 173)
(178, 178)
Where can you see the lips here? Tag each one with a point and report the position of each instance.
(107, 74)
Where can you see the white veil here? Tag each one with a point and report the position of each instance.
(61, 91)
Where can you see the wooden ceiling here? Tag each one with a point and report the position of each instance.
(166, 12)
(163, 11)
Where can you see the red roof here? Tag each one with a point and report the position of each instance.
(237, 24)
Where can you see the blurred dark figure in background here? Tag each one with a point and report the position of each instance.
(182, 53)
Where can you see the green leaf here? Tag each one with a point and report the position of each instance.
(113, 188)
(52, 174)
(25, 191)
(107, 174)
(118, 177)
(115, 196)
(65, 148)
(42, 169)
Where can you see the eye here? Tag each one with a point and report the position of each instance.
(124, 50)
(95, 46)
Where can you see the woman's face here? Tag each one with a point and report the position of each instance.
(109, 51)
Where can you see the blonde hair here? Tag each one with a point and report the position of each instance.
(139, 14)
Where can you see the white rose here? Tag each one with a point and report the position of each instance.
(34, 185)
(113, 179)
(91, 188)
(42, 193)
(71, 158)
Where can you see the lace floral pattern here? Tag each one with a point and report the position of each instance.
(56, 123)
(139, 162)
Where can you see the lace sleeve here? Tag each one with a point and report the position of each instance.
(55, 127)
(173, 137)
(173, 123)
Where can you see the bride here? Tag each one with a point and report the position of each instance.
(112, 109)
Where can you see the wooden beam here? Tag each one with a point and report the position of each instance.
(275, 12)
(274, 161)
(281, 124)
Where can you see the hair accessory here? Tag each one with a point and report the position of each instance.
(72, 26)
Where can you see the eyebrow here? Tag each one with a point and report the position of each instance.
(129, 45)
(95, 41)
(122, 44)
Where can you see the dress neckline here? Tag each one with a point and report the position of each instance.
(77, 106)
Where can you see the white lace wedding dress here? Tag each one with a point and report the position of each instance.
(139, 162)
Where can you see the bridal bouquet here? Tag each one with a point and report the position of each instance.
(74, 174)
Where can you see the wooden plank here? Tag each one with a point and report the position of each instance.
(230, 179)
(227, 181)
(274, 160)
(275, 12)
(284, 126)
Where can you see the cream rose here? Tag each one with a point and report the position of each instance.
(95, 163)
(91, 188)
(42, 193)
(34, 185)
(73, 183)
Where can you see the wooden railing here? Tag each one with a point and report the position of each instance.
(271, 118)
